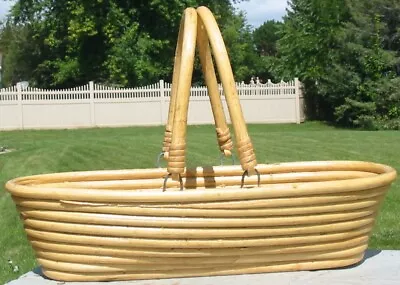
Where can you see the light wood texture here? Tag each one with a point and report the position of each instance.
(176, 154)
(174, 89)
(206, 271)
(206, 61)
(308, 215)
(244, 145)
(222, 130)
(120, 225)
(209, 34)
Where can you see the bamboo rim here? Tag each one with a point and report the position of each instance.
(231, 193)
(214, 171)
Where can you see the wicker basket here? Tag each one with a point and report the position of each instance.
(252, 218)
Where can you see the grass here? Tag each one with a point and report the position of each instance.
(88, 149)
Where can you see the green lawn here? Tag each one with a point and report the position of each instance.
(89, 149)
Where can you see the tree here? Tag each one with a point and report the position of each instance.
(339, 49)
(374, 97)
(115, 41)
(265, 40)
(239, 42)
(266, 37)
(20, 55)
(308, 47)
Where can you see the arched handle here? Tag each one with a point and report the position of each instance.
(221, 126)
(183, 70)
(206, 61)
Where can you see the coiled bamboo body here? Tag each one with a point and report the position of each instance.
(119, 225)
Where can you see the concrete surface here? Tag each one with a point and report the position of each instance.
(377, 268)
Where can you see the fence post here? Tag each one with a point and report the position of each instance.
(20, 107)
(162, 101)
(281, 89)
(91, 100)
(297, 100)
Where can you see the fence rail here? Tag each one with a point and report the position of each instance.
(96, 105)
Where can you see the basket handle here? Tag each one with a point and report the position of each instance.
(183, 70)
(222, 131)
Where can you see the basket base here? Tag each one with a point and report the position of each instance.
(200, 272)
(377, 267)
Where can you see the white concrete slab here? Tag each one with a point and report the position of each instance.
(378, 267)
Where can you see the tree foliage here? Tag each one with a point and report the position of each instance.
(115, 41)
(265, 40)
(266, 37)
(239, 42)
(347, 54)
(16, 42)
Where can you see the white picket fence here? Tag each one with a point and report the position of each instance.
(96, 105)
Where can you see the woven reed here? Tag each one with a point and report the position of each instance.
(120, 225)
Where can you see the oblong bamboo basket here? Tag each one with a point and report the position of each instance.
(139, 224)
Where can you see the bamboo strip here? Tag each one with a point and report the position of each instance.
(277, 267)
(175, 211)
(193, 243)
(232, 193)
(131, 252)
(316, 201)
(180, 222)
(189, 233)
(227, 170)
(295, 200)
(95, 264)
(212, 182)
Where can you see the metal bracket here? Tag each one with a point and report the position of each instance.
(166, 179)
(246, 173)
(158, 163)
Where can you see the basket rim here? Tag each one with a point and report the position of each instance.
(24, 186)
